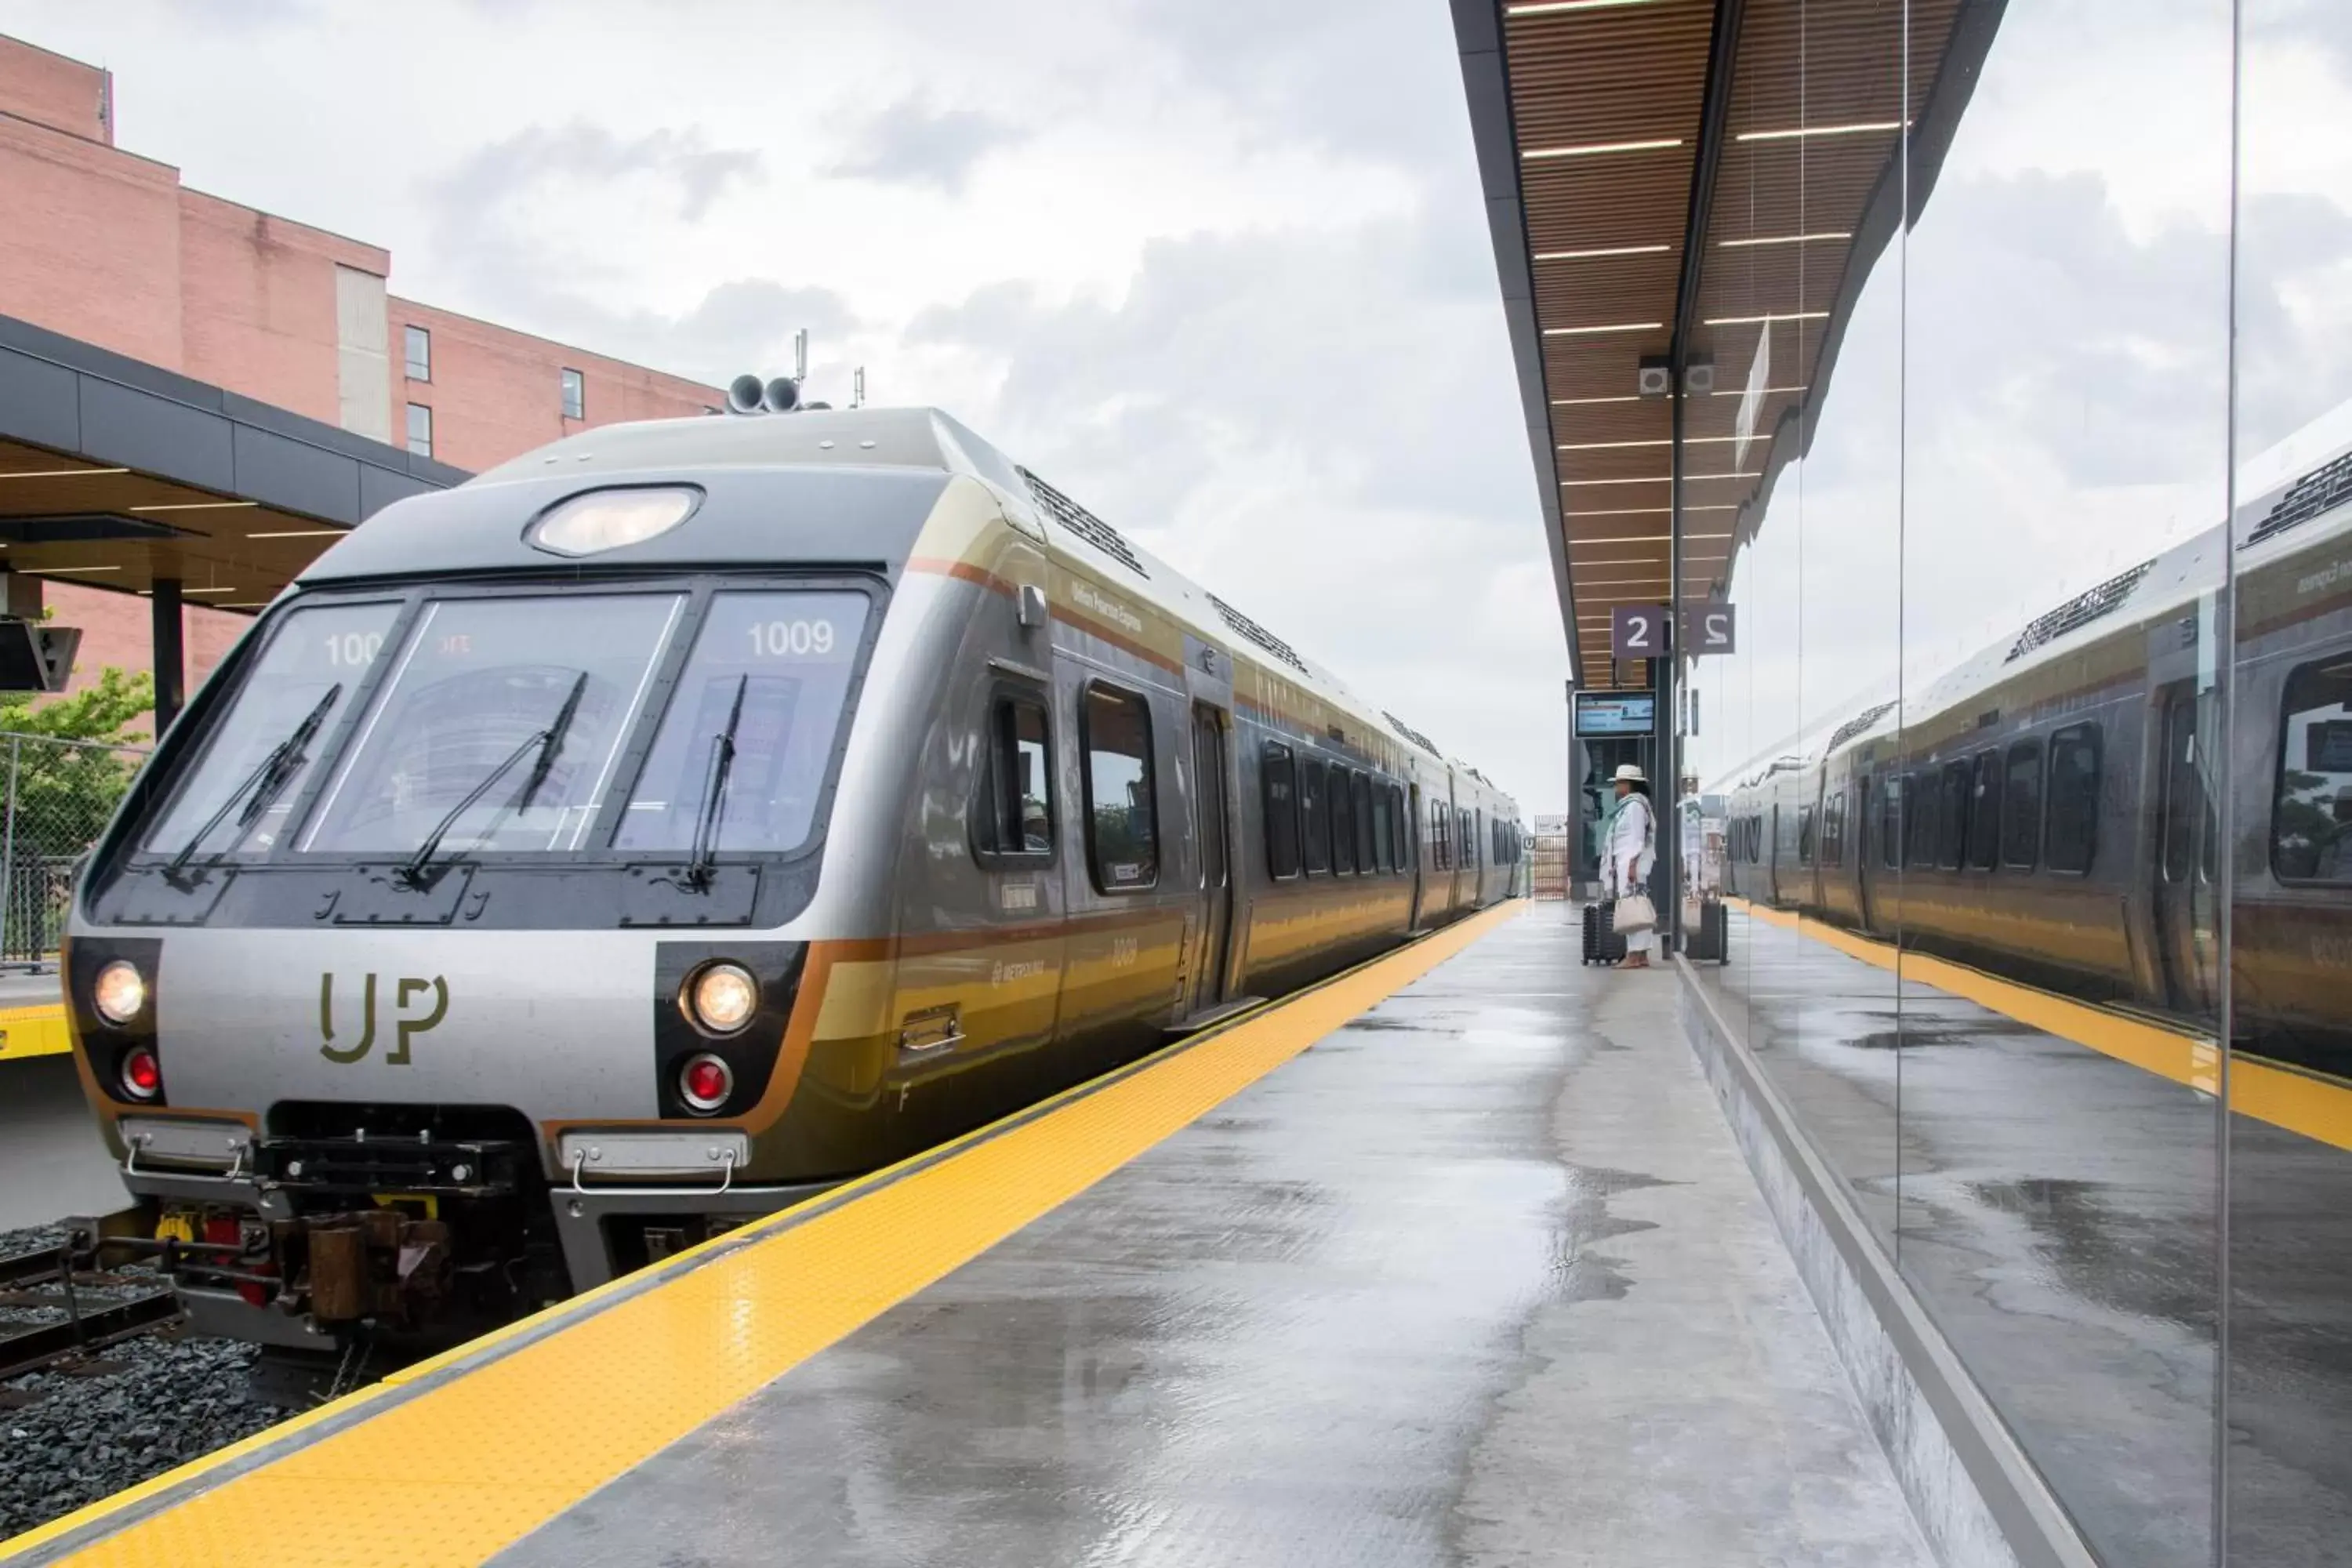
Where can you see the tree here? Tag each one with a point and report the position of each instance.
(65, 792)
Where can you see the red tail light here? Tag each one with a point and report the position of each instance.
(142, 1075)
(705, 1083)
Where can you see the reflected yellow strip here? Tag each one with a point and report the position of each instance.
(36, 1031)
(2307, 1103)
(460, 1470)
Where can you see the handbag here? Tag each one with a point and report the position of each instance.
(1633, 915)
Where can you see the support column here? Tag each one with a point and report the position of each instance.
(170, 654)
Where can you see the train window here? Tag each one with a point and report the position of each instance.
(482, 678)
(1015, 814)
(2074, 822)
(1952, 818)
(2021, 807)
(2189, 829)
(2311, 811)
(1384, 826)
(788, 658)
(1833, 830)
(1122, 827)
(1984, 812)
(1314, 815)
(1919, 796)
(316, 660)
(1804, 836)
(1401, 824)
(1364, 833)
(1281, 811)
(1343, 822)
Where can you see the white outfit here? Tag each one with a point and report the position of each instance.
(1630, 854)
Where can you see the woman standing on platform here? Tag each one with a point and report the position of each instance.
(1628, 838)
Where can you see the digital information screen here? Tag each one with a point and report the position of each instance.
(1615, 713)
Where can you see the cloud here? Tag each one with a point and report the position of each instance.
(908, 144)
(682, 159)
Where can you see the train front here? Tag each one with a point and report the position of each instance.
(443, 960)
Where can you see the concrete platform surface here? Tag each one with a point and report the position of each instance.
(1478, 1279)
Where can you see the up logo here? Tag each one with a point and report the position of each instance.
(406, 1023)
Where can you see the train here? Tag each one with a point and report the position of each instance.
(672, 823)
(2050, 811)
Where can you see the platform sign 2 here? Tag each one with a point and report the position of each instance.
(1709, 629)
(1638, 631)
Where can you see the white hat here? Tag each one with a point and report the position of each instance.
(1629, 772)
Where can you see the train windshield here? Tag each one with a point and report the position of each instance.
(500, 725)
(254, 765)
(748, 735)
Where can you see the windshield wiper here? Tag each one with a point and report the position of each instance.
(548, 742)
(705, 864)
(264, 783)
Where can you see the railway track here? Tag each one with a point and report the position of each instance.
(57, 1305)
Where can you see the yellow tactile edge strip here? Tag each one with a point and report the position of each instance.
(36, 1031)
(471, 1461)
(2307, 1103)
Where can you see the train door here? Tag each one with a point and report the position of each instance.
(2187, 851)
(1413, 840)
(1212, 820)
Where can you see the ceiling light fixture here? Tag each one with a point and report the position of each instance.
(60, 473)
(196, 506)
(60, 571)
(1767, 318)
(1620, 512)
(1782, 239)
(1797, 132)
(302, 533)
(1596, 255)
(208, 590)
(1554, 8)
(1644, 479)
(1610, 327)
(1760, 391)
(1598, 149)
(1581, 402)
(1610, 446)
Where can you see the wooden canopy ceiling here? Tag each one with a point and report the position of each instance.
(1610, 132)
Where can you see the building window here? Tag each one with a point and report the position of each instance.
(2074, 835)
(420, 353)
(1018, 788)
(1281, 811)
(1122, 830)
(420, 429)
(575, 396)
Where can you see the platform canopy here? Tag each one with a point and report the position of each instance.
(1670, 181)
(118, 475)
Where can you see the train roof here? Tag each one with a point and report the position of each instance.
(2297, 497)
(859, 483)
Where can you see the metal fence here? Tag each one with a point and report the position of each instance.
(57, 798)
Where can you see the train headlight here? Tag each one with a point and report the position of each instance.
(120, 992)
(141, 1074)
(720, 998)
(704, 1083)
(598, 520)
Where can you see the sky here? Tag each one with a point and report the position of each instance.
(1217, 268)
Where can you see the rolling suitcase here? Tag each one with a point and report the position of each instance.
(1602, 942)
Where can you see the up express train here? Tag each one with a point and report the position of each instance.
(679, 819)
(2050, 811)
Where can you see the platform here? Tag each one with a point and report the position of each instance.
(1451, 1260)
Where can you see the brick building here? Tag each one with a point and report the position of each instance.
(108, 248)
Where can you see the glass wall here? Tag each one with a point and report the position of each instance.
(2027, 470)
